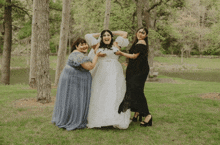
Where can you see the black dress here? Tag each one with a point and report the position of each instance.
(136, 75)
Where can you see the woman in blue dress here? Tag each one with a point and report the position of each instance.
(74, 89)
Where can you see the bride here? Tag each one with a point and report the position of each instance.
(108, 82)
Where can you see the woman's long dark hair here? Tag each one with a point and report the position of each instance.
(76, 43)
(146, 39)
(102, 44)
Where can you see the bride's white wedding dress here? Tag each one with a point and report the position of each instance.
(108, 89)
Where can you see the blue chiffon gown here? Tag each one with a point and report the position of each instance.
(73, 94)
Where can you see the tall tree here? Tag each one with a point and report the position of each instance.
(107, 14)
(146, 16)
(34, 46)
(63, 39)
(139, 4)
(6, 57)
(43, 67)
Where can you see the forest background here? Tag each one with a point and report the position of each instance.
(189, 26)
(184, 44)
(182, 27)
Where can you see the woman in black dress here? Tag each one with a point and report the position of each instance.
(136, 75)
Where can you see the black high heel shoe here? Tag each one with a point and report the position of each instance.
(149, 123)
(134, 119)
(140, 117)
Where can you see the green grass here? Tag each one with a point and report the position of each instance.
(180, 116)
(17, 61)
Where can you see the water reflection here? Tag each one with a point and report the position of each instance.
(21, 76)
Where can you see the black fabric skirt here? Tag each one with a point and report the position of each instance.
(134, 98)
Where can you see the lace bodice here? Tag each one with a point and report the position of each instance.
(109, 54)
(122, 42)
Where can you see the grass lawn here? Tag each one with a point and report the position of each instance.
(180, 116)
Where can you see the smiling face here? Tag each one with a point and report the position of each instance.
(82, 47)
(141, 34)
(107, 38)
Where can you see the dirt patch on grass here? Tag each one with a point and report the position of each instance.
(215, 96)
(32, 102)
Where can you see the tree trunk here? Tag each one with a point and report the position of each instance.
(107, 14)
(151, 49)
(6, 57)
(139, 12)
(146, 14)
(63, 39)
(43, 67)
(70, 31)
(182, 51)
(34, 42)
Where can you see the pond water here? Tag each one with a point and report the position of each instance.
(21, 76)
(200, 75)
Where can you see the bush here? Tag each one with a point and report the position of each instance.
(52, 47)
(25, 31)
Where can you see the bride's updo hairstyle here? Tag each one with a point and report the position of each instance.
(77, 42)
(102, 44)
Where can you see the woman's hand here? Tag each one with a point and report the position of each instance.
(116, 45)
(100, 54)
(97, 47)
(118, 52)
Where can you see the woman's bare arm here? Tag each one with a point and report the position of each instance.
(120, 33)
(96, 34)
(91, 65)
(131, 56)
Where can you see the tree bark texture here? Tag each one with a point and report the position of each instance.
(6, 57)
(43, 76)
(139, 12)
(34, 46)
(63, 39)
(151, 48)
(146, 13)
(107, 14)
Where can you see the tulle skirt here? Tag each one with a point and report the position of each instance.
(107, 92)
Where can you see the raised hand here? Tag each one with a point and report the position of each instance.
(97, 47)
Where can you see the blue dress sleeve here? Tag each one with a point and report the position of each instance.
(76, 59)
